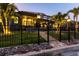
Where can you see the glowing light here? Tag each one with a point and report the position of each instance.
(6, 30)
(24, 22)
(38, 16)
(12, 17)
(29, 20)
(68, 20)
(16, 20)
(0, 19)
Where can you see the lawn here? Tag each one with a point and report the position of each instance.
(64, 35)
(16, 38)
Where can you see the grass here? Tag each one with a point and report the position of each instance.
(16, 39)
(64, 35)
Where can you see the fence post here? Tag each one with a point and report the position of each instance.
(21, 33)
(38, 27)
(69, 32)
(74, 30)
(48, 32)
(20, 26)
(60, 33)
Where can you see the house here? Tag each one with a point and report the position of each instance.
(29, 19)
(24, 19)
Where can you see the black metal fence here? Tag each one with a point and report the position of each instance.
(28, 35)
(23, 35)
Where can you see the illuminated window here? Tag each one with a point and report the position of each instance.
(16, 20)
(24, 21)
(29, 21)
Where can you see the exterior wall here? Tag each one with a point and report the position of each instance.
(31, 21)
(28, 20)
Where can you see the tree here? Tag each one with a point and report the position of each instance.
(75, 17)
(59, 19)
(7, 10)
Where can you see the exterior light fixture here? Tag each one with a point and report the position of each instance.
(38, 16)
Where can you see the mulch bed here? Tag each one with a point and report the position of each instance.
(21, 49)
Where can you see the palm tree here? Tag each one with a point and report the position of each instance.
(75, 13)
(7, 10)
(60, 18)
(57, 19)
(65, 20)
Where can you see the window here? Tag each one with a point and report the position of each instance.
(24, 21)
(16, 20)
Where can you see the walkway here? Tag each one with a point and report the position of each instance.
(53, 41)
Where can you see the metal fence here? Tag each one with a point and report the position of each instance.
(28, 35)
(23, 35)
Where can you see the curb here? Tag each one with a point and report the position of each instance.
(51, 52)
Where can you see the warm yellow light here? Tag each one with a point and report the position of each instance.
(68, 20)
(0, 20)
(6, 31)
(12, 17)
(29, 20)
(38, 16)
(24, 22)
(16, 20)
